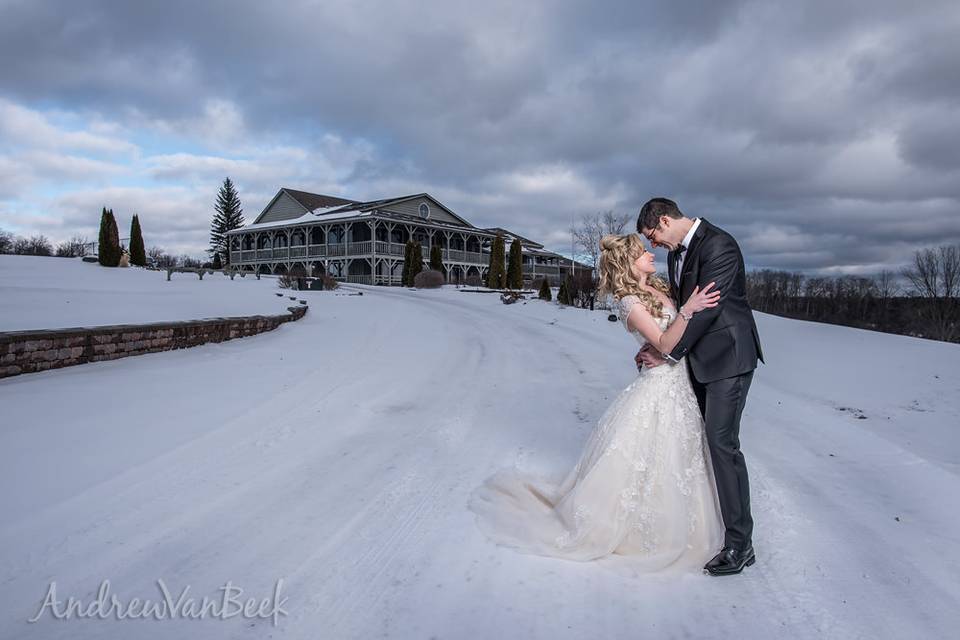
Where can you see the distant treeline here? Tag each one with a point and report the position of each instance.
(923, 300)
(39, 245)
(80, 246)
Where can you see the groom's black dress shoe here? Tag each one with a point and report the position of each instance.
(729, 561)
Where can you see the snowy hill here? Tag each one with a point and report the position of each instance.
(338, 453)
(55, 293)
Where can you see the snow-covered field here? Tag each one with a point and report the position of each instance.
(338, 454)
(56, 293)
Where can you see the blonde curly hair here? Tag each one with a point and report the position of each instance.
(617, 253)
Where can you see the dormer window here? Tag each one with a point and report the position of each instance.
(424, 211)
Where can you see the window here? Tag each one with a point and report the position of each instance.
(424, 211)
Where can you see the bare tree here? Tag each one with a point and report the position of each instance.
(75, 247)
(587, 233)
(37, 245)
(887, 285)
(20, 246)
(6, 242)
(159, 258)
(935, 276)
(188, 261)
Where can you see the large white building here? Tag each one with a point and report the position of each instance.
(364, 241)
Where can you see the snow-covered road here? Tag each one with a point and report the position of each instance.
(338, 453)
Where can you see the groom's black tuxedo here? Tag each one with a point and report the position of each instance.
(720, 342)
(722, 348)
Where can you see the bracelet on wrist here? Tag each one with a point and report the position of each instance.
(686, 316)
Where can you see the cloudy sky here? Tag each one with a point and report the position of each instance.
(824, 134)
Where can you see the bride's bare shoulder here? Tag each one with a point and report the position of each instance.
(627, 304)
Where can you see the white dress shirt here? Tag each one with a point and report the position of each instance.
(687, 239)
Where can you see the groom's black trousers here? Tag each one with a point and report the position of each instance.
(721, 403)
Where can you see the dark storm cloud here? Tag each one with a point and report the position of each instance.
(823, 120)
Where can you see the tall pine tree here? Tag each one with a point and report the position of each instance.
(228, 216)
(495, 274)
(436, 259)
(515, 266)
(406, 280)
(416, 263)
(108, 242)
(138, 253)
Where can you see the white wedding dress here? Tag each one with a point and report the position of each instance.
(643, 487)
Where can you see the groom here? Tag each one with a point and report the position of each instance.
(722, 347)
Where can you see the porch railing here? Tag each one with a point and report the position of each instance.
(359, 248)
(382, 248)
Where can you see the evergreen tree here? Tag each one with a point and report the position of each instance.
(216, 261)
(515, 266)
(436, 259)
(138, 254)
(545, 290)
(103, 240)
(108, 244)
(563, 295)
(406, 280)
(495, 274)
(416, 264)
(228, 216)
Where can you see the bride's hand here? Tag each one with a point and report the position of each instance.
(701, 299)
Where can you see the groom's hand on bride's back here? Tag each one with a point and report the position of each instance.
(648, 357)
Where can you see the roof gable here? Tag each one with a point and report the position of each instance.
(303, 199)
(312, 201)
(391, 204)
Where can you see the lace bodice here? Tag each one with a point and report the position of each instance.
(626, 303)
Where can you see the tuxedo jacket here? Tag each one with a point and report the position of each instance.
(720, 342)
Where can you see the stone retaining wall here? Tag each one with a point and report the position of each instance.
(30, 351)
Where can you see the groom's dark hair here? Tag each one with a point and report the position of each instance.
(653, 209)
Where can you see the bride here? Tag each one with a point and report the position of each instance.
(643, 486)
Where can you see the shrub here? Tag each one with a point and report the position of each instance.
(545, 293)
(428, 279)
(329, 282)
(563, 295)
(581, 290)
(319, 274)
